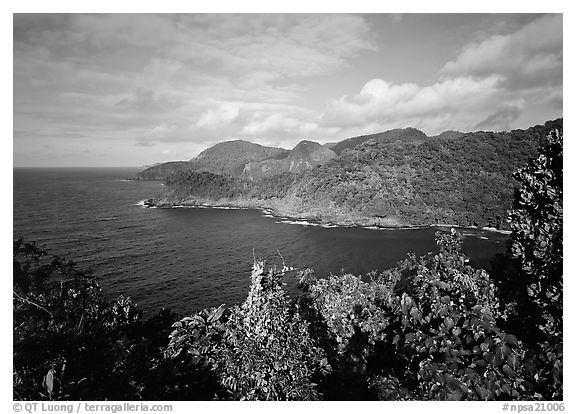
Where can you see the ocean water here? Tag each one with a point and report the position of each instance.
(187, 259)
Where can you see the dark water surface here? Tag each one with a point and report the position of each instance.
(188, 259)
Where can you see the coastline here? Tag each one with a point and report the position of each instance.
(369, 223)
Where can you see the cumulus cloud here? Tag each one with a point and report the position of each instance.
(489, 85)
(381, 102)
(224, 114)
(530, 56)
(174, 80)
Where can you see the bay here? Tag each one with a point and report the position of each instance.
(188, 259)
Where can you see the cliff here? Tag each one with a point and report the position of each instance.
(302, 157)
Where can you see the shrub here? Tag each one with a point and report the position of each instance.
(535, 252)
(260, 350)
(536, 224)
(70, 342)
(433, 328)
(444, 331)
(427, 329)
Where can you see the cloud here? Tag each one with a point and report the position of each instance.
(224, 114)
(490, 84)
(381, 103)
(278, 125)
(146, 82)
(530, 56)
(143, 101)
(144, 144)
(165, 132)
(173, 78)
(280, 45)
(501, 119)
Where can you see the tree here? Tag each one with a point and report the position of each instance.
(260, 350)
(70, 342)
(532, 276)
(536, 224)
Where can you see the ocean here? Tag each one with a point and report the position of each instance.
(187, 259)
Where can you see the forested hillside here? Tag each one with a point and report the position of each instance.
(392, 179)
(254, 161)
(407, 135)
(226, 158)
(466, 181)
(159, 172)
(230, 158)
(449, 135)
(432, 328)
(304, 156)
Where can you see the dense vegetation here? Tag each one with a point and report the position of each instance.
(226, 158)
(304, 156)
(433, 328)
(159, 172)
(411, 135)
(395, 178)
(70, 342)
(468, 181)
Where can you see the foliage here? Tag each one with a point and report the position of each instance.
(159, 172)
(403, 135)
(346, 320)
(444, 331)
(531, 276)
(536, 223)
(70, 342)
(225, 158)
(302, 157)
(268, 352)
(429, 329)
(260, 350)
(350, 308)
(433, 328)
(398, 176)
(229, 158)
(204, 184)
(467, 181)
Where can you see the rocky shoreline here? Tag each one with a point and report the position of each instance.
(375, 223)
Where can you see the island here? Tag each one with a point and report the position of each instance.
(396, 178)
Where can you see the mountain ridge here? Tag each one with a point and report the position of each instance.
(304, 156)
(402, 134)
(380, 181)
(217, 158)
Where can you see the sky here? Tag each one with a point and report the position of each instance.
(137, 89)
